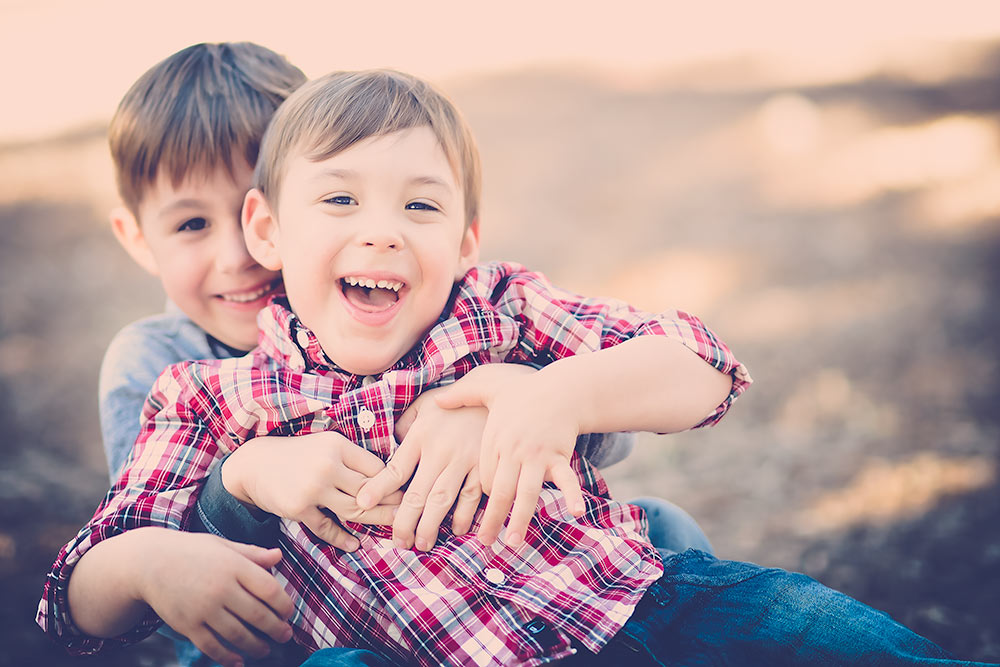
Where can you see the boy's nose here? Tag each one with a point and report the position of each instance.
(232, 255)
(381, 233)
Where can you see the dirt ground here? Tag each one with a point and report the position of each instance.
(843, 238)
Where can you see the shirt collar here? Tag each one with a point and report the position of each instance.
(285, 339)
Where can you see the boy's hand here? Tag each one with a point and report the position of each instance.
(528, 439)
(443, 447)
(309, 478)
(217, 593)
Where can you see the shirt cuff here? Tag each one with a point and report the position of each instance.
(219, 512)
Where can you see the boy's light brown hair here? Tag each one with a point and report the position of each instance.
(199, 109)
(334, 112)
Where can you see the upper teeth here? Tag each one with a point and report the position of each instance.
(371, 284)
(248, 296)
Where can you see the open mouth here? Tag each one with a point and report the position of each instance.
(370, 295)
(252, 295)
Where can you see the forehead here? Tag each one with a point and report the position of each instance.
(413, 153)
(204, 185)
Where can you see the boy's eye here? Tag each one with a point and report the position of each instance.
(342, 200)
(420, 206)
(193, 225)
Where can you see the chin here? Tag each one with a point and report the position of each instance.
(367, 366)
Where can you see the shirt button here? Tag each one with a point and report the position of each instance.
(495, 576)
(366, 419)
(303, 338)
(367, 380)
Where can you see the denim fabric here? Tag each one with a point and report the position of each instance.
(288, 654)
(219, 512)
(671, 528)
(344, 657)
(605, 449)
(704, 611)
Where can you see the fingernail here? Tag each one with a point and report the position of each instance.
(287, 634)
(399, 542)
(352, 545)
(422, 544)
(513, 540)
(363, 501)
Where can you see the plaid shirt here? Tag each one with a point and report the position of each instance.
(462, 602)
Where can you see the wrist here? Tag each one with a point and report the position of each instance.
(560, 388)
(143, 548)
(234, 472)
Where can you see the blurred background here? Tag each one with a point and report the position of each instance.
(821, 186)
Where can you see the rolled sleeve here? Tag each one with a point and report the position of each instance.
(220, 513)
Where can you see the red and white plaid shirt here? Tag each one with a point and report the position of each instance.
(462, 602)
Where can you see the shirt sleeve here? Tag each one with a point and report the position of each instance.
(173, 455)
(220, 513)
(133, 361)
(605, 449)
(131, 364)
(556, 323)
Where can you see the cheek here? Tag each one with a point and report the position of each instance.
(183, 277)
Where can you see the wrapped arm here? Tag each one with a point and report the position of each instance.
(173, 455)
(555, 324)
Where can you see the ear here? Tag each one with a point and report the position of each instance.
(126, 229)
(260, 230)
(468, 253)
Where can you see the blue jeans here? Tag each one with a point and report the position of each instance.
(671, 528)
(706, 611)
(344, 657)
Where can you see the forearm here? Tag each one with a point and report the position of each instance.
(104, 589)
(649, 383)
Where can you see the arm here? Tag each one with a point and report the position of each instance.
(213, 584)
(645, 384)
(650, 383)
(173, 455)
(133, 361)
(311, 478)
(608, 367)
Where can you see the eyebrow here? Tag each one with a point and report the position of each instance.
(334, 173)
(180, 204)
(347, 174)
(430, 180)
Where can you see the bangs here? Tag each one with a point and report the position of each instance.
(331, 114)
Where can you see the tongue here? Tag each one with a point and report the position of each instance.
(372, 300)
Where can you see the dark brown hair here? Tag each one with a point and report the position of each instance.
(204, 107)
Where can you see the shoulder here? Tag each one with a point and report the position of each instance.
(166, 331)
(142, 349)
(495, 281)
(214, 381)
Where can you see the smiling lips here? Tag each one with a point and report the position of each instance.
(240, 298)
(371, 301)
